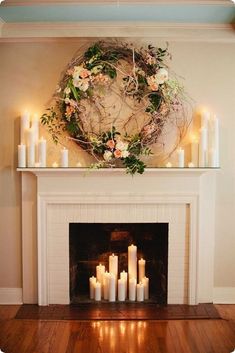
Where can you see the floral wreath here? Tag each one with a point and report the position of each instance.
(143, 83)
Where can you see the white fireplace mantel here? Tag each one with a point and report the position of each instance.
(99, 190)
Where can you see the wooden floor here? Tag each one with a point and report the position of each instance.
(175, 336)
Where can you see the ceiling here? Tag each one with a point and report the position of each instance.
(208, 12)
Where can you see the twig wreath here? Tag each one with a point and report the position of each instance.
(114, 100)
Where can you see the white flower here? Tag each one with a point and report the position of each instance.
(122, 146)
(67, 90)
(83, 85)
(125, 154)
(96, 69)
(67, 100)
(107, 155)
(161, 76)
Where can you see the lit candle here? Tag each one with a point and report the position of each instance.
(168, 165)
(132, 289)
(106, 285)
(24, 126)
(100, 270)
(112, 288)
(212, 158)
(30, 148)
(37, 165)
(64, 158)
(35, 127)
(132, 261)
(78, 165)
(194, 151)
(214, 138)
(54, 165)
(141, 264)
(97, 291)
(113, 265)
(140, 292)
(92, 281)
(205, 116)
(180, 153)
(21, 156)
(190, 165)
(42, 152)
(123, 275)
(145, 282)
(121, 290)
(203, 147)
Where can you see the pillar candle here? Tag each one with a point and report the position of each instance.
(112, 288)
(180, 153)
(212, 158)
(132, 261)
(113, 265)
(100, 270)
(194, 152)
(30, 148)
(205, 116)
(203, 147)
(132, 289)
(121, 290)
(21, 156)
(140, 292)
(106, 285)
(123, 275)
(35, 127)
(97, 286)
(24, 126)
(92, 281)
(141, 264)
(64, 158)
(54, 165)
(42, 153)
(214, 138)
(145, 282)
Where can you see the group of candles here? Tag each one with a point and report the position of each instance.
(205, 148)
(108, 286)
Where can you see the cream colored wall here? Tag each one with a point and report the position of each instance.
(28, 75)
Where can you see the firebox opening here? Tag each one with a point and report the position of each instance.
(91, 244)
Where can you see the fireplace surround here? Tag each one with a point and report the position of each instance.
(183, 198)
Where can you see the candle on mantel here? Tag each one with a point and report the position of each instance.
(24, 126)
(30, 148)
(132, 289)
(212, 158)
(205, 116)
(190, 165)
(141, 264)
(100, 270)
(121, 290)
(132, 261)
(42, 152)
(194, 151)
(79, 165)
(123, 275)
(97, 291)
(35, 127)
(54, 165)
(180, 153)
(203, 147)
(140, 292)
(145, 282)
(92, 282)
(112, 288)
(214, 139)
(64, 158)
(37, 165)
(21, 156)
(168, 165)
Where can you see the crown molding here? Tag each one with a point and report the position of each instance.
(57, 31)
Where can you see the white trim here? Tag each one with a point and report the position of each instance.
(42, 31)
(224, 295)
(10, 296)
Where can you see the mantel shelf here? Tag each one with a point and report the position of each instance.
(116, 171)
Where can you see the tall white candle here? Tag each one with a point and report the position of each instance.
(214, 138)
(140, 292)
(145, 282)
(92, 281)
(194, 152)
(132, 261)
(97, 291)
(42, 152)
(141, 264)
(205, 116)
(106, 285)
(203, 147)
(123, 275)
(24, 126)
(180, 153)
(21, 156)
(30, 148)
(113, 265)
(121, 290)
(112, 288)
(132, 289)
(100, 270)
(64, 158)
(212, 158)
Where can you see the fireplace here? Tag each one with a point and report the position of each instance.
(91, 244)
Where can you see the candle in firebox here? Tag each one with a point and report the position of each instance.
(113, 265)
(132, 289)
(106, 276)
(100, 269)
(145, 282)
(97, 291)
(141, 264)
(132, 261)
(140, 292)
(123, 275)
(92, 282)
(121, 290)
(112, 287)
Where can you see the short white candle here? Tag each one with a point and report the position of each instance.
(123, 275)
(24, 126)
(78, 165)
(21, 156)
(168, 165)
(113, 265)
(30, 148)
(132, 261)
(145, 282)
(180, 153)
(203, 147)
(97, 291)
(42, 152)
(190, 165)
(54, 165)
(92, 282)
(64, 158)
(141, 264)
(194, 151)
(100, 270)
(140, 292)
(121, 290)
(112, 288)
(106, 285)
(132, 289)
(37, 165)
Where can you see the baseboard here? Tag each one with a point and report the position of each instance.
(11, 296)
(224, 295)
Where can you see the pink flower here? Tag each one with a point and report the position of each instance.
(117, 154)
(110, 144)
(84, 73)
